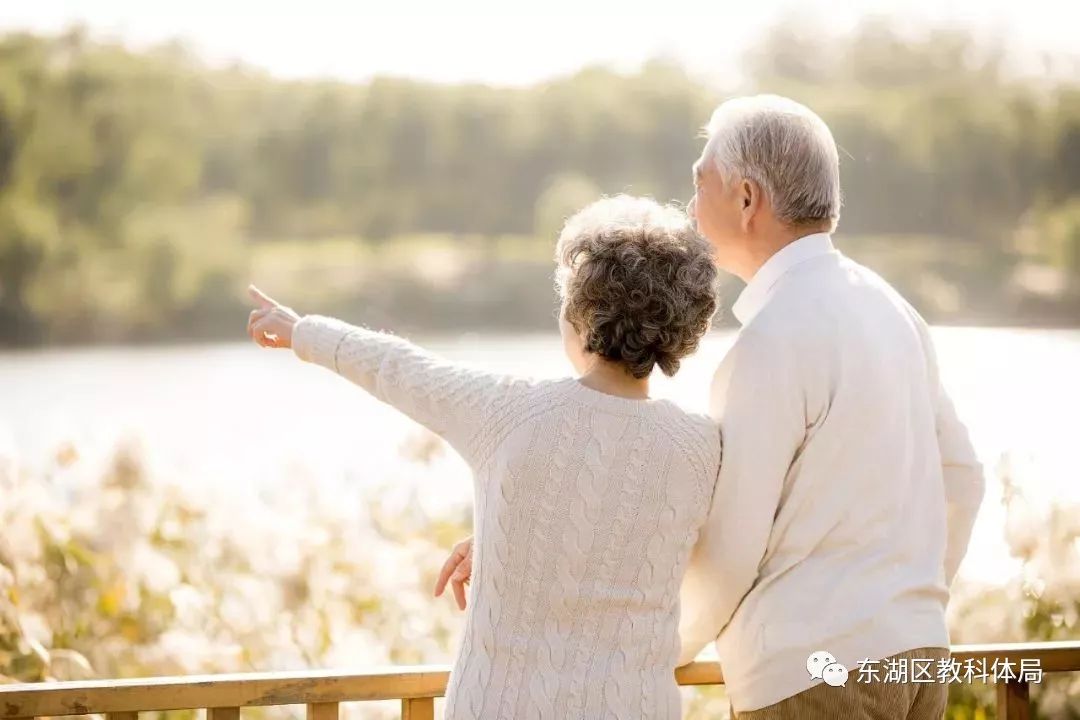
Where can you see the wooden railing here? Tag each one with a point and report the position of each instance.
(416, 687)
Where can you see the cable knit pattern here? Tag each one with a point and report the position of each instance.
(587, 507)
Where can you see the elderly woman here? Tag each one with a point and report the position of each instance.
(589, 495)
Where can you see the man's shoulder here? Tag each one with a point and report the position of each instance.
(763, 351)
(816, 317)
(860, 276)
(829, 292)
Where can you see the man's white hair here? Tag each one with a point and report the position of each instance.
(785, 148)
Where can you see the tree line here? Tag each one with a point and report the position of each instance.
(134, 186)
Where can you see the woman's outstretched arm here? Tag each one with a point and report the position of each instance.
(453, 400)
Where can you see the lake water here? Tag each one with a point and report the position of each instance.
(242, 418)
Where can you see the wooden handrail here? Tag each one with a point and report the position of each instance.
(1060, 656)
(416, 686)
(227, 690)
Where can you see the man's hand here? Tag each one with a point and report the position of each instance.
(457, 570)
(271, 323)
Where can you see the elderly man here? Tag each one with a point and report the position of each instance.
(848, 487)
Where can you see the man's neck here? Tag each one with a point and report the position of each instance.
(763, 247)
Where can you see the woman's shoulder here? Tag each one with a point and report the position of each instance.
(695, 432)
(677, 414)
(692, 429)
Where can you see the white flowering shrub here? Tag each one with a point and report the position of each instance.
(106, 571)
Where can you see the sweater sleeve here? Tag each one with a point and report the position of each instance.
(962, 473)
(965, 483)
(452, 400)
(759, 406)
(700, 617)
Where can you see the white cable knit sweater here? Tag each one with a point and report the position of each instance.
(586, 509)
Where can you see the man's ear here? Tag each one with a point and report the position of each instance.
(750, 198)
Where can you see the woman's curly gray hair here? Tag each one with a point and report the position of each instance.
(637, 283)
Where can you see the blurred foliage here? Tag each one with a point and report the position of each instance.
(1042, 603)
(137, 187)
(107, 570)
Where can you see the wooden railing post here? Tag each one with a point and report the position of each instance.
(322, 711)
(122, 716)
(1012, 700)
(223, 713)
(418, 709)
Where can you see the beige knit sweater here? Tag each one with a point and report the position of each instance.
(586, 509)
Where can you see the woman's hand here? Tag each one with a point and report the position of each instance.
(270, 324)
(457, 570)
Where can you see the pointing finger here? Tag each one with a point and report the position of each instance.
(264, 301)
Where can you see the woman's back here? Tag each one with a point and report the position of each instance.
(587, 506)
(589, 497)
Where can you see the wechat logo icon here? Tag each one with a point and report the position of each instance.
(823, 666)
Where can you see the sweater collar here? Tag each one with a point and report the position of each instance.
(756, 294)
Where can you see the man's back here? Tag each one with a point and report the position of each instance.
(829, 407)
